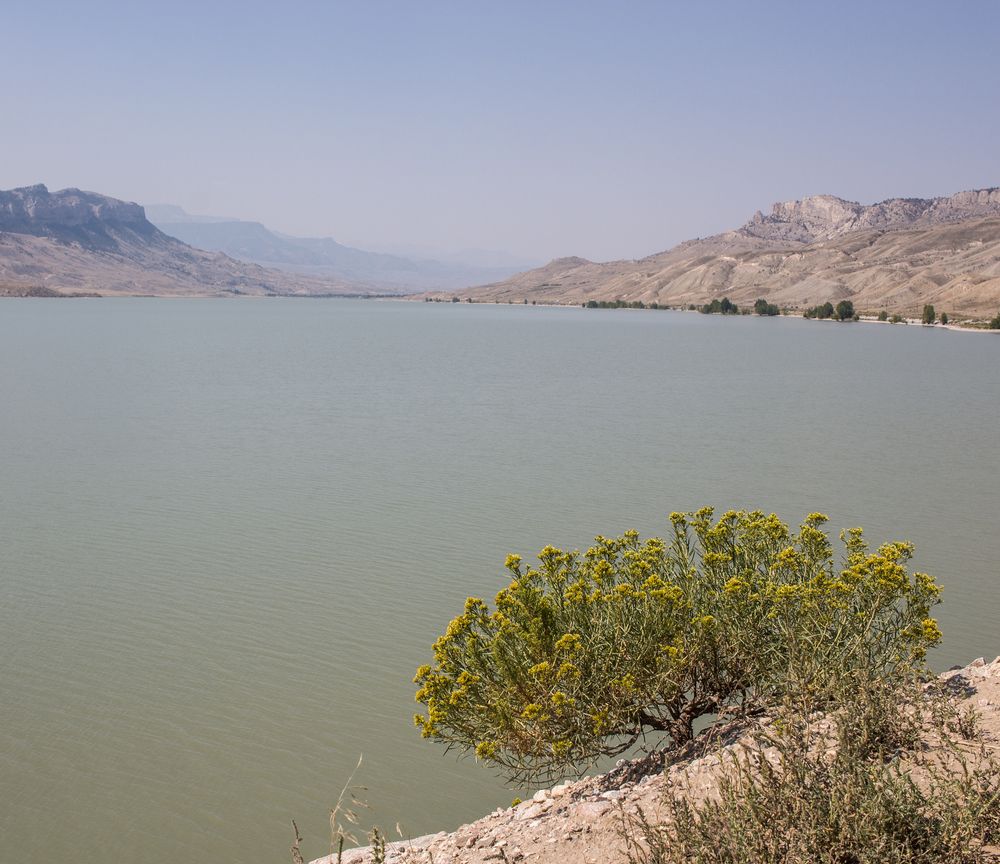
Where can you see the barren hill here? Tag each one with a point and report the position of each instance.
(73, 241)
(896, 255)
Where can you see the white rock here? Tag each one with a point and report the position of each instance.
(531, 812)
(588, 811)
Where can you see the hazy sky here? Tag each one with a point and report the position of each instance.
(599, 129)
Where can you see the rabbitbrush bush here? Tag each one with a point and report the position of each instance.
(584, 654)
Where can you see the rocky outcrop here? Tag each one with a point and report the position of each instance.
(826, 216)
(34, 207)
(580, 822)
(72, 216)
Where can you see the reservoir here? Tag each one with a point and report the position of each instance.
(231, 529)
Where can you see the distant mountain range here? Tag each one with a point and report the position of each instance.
(896, 255)
(72, 241)
(320, 256)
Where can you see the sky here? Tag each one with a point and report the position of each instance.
(606, 130)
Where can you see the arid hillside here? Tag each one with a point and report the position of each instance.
(897, 255)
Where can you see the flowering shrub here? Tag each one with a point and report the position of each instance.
(584, 654)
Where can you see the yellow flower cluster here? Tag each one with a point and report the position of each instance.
(582, 645)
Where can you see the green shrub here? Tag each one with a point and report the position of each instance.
(928, 316)
(585, 653)
(943, 318)
(883, 315)
(995, 322)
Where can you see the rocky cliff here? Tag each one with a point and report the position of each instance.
(72, 216)
(34, 208)
(826, 216)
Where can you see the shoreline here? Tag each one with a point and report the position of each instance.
(414, 298)
(862, 319)
(579, 821)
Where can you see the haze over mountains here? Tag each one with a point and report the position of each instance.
(72, 241)
(75, 241)
(897, 254)
(321, 256)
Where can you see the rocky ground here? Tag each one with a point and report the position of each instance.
(580, 822)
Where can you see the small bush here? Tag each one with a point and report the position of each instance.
(929, 316)
(995, 322)
(585, 653)
(883, 315)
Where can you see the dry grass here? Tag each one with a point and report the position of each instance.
(893, 778)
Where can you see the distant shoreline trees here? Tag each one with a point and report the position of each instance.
(823, 311)
(725, 306)
(762, 307)
(843, 311)
(621, 304)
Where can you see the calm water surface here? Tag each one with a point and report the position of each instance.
(231, 529)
